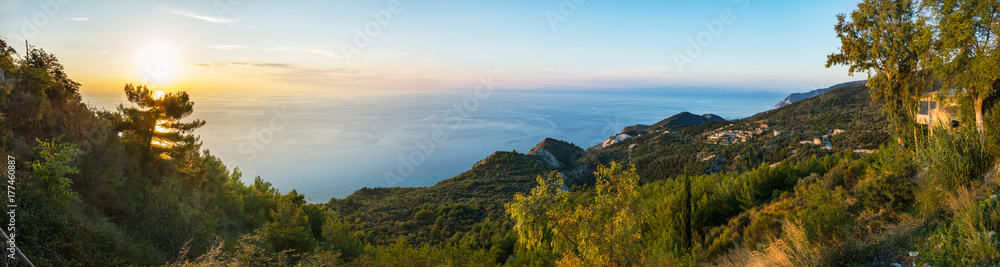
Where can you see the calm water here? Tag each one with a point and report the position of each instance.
(330, 146)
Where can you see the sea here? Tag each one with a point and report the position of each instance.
(330, 145)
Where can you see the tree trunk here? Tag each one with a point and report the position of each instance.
(979, 118)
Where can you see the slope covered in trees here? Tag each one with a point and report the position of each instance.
(133, 187)
(105, 193)
(846, 116)
(813, 183)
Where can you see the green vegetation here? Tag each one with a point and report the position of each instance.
(664, 154)
(88, 195)
(153, 124)
(133, 187)
(598, 229)
(887, 40)
(52, 170)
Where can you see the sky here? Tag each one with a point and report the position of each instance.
(254, 46)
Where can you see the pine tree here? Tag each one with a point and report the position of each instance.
(154, 124)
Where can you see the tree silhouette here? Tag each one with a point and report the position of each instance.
(154, 124)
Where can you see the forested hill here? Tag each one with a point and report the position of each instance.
(447, 210)
(846, 117)
(94, 188)
(815, 178)
(795, 97)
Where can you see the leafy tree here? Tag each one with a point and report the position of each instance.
(36, 93)
(602, 231)
(886, 39)
(57, 84)
(531, 213)
(51, 171)
(153, 124)
(966, 48)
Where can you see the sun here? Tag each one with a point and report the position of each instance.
(157, 66)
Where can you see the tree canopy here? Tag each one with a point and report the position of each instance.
(967, 36)
(154, 122)
(886, 40)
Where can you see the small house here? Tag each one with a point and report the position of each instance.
(938, 109)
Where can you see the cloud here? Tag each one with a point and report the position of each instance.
(228, 47)
(191, 14)
(323, 53)
(287, 72)
(634, 71)
(219, 65)
(78, 19)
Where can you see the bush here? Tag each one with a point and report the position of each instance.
(952, 159)
(52, 170)
(823, 214)
(887, 183)
(970, 238)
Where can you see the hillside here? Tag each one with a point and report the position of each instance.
(795, 97)
(679, 141)
(680, 119)
(431, 215)
(845, 116)
(813, 183)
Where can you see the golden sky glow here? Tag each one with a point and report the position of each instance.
(387, 46)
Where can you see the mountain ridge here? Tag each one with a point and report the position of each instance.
(682, 118)
(795, 97)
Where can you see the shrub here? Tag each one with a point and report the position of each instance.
(51, 171)
(823, 214)
(952, 159)
(887, 182)
(970, 237)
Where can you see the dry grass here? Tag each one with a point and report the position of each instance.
(792, 249)
(974, 221)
